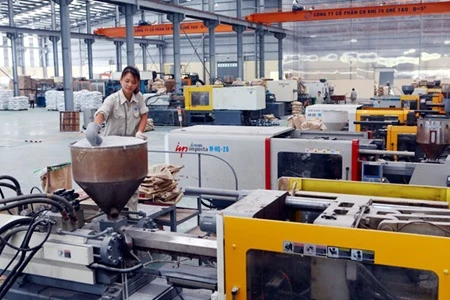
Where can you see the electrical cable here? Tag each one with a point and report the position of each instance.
(24, 260)
(36, 200)
(3, 197)
(116, 270)
(14, 181)
(35, 188)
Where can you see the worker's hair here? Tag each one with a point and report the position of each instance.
(135, 73)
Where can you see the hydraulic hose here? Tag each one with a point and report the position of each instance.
(46, 196)
(116, 270)
(37, 200)
(14, 181)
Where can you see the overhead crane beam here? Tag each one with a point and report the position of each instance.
(161, 29)
(74, 35)
(187, 12)
(357, 12)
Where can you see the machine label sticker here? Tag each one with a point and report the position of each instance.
(194, 147)
(64, 253)
(304, 249)
(365, 256)
(338, 252)
(323, 151)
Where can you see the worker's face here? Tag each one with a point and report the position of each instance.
(129, 84)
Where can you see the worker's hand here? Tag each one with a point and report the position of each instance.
(92, 134)
(141, 136)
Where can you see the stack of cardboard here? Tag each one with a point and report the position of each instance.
(150, 126)
(297, 108)
(300, 122)
(160, 185)
(27, 85)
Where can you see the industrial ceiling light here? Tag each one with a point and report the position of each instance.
(216, 5)
(313, 36)
(447, 42)
(353, 40)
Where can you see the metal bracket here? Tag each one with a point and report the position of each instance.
(279, 36)
(211, 23)
(66, 2)
(175, 17)
(239, 29)
(123, 9)
(89, 41)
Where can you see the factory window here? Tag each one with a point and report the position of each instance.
(200, 98)
(310, 165)
(274, 275)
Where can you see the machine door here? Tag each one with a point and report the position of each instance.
(309, 165)
(273, 275)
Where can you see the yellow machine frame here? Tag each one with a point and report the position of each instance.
(409, 98)
(394, 131)
(432, 193)
(188, 90)
(244, 234)
(399, 112)
(391, 249)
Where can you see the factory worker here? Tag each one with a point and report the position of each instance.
(319, 99)
(353, 96)
(125, 114)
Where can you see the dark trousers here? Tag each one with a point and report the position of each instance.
(31, 104)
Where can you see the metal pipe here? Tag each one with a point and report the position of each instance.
(54, 40)
(144, 56)
(386, 152)
(89, 42)
(118, 56)
(129, 12)
(194, 191)
(240, 50)
(261, 54)
(66, 54)
(87, 236)
(12, 37)
(212, 50)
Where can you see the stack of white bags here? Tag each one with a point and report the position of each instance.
(82, 99)
(51, 99)
(5, 95)
(18, 103)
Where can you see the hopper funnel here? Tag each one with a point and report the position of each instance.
(433, 136)
(110, 173)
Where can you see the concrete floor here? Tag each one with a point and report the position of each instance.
(30, 140)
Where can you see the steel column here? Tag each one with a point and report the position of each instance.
(118, 56)
(54, 40)
(240, 50)
(43, 55)
(5, 51)
(12, 37)
(89, 42)
(144, 56)
(280, 37)
(66, 53)
(240, 45)
(21, 49)
(261, 34)
(161, 58)
(212, 49)
(129, 10)
(176, 20)
(239, 9)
